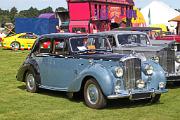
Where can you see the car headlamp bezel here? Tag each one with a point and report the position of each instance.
(119, 71)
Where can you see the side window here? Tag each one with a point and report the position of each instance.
(60, 47)
(22, 36)
(31, 36)
(112, 40)
(45, 46)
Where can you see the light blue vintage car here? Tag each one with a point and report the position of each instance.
(74, 63)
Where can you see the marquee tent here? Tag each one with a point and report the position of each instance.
(176, 19)
(139, 21)
(47, 15)
(157, 12)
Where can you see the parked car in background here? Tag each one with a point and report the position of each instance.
(155, 33)
(17, 41)
(75, 63)
(127, 42)
(2, 35)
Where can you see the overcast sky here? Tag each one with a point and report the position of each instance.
(40, 4)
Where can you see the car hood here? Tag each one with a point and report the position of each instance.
(109, 56)
(162, 42)
(140, 48)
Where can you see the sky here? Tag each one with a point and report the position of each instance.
(40, 4)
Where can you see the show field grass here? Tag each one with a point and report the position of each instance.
(18, 104)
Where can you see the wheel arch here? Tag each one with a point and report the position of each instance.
(31, 67)
(84, 82)
(16, 42)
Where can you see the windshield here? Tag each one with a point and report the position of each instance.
(92, 43)
(140, 39)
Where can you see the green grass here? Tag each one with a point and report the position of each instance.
(17, 104)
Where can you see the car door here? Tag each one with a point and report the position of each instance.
(27, 40)
(62, 69)
(42, 57)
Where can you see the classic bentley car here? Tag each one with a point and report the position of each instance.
(82, 63)
(126, 42)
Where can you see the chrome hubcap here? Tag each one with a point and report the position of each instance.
(92, 94)
(30, 81)
(15, 45)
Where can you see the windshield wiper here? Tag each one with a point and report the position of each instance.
(132, 44)
(93, 51)
(85, 51)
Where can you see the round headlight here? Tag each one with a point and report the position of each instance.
(149, 69)
(178, 58)
(156, 59)
(118, 72)
(140, 84)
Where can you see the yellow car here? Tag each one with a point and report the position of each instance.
(19, 41)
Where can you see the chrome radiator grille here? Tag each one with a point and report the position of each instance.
(167, 60)
(178, 47)
(171, 60)
(132, 73)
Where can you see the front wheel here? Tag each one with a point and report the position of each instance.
(31, 82)
(156, 98)
(15, 45)
(93, 95)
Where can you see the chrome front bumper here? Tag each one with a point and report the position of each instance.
(137, 95)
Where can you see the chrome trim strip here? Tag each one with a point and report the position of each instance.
(117, 96)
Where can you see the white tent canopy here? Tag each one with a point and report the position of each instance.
(157, 12)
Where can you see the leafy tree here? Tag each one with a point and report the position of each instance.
(9, 16)
(46, 10)
(13, 13)
(61, 9)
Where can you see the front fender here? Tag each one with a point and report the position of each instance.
(157, 76)
(29, 64)
(102, 75)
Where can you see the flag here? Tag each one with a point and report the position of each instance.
(149, 16)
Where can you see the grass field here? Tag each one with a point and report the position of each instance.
(17, 104)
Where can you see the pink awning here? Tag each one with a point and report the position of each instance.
(79, 23)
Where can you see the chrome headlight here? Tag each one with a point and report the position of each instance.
(140, 84)
(178, 58)
(161, 85)
(118, 72)
(156, 59)
(149, 69)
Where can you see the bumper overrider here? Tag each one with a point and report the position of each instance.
(136, 95)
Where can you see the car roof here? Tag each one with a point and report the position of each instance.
(120, 32)
(65, 35)
(138, 28)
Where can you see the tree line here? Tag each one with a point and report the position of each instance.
(8, 16)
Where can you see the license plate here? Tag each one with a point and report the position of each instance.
(141, 96)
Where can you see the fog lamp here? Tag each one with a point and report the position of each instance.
(178, 58)
(117, 86)
(161, 85)
(149, 69)
(140, 84)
